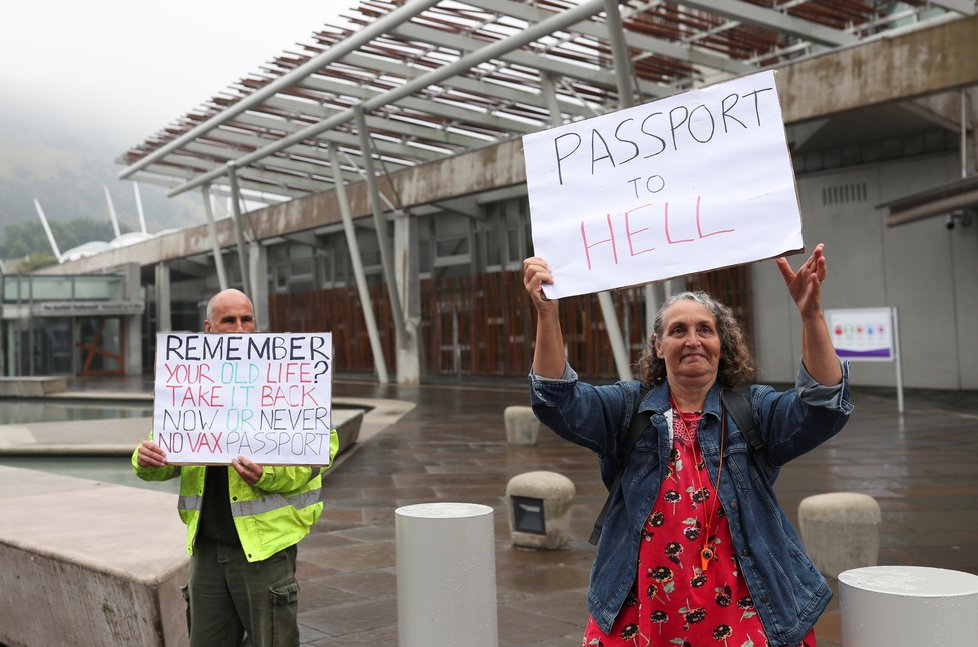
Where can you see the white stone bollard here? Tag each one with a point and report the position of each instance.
(446, 575)
(908, 606)
(840, 531)
(548, 497)
(522, 427)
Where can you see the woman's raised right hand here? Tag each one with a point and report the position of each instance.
(536, 272)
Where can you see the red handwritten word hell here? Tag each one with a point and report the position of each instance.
(649, 216)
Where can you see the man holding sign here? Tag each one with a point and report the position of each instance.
(243, 523)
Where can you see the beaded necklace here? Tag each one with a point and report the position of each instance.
(707, 552)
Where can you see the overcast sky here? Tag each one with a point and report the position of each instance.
(127, 69)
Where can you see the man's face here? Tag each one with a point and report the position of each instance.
(232, 312)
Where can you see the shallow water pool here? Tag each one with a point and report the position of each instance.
(30, 410)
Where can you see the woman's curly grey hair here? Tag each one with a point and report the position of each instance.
(737, 366)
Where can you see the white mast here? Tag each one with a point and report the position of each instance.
(115, 221)
(47, 230)
(139, 207)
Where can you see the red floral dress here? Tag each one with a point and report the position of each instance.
(675, 601)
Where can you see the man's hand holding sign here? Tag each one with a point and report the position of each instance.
(693, 182)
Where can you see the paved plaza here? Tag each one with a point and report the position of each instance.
(922, 468)
(446, 442)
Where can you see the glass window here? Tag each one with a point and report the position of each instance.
(452, 246)
(50, 288)
(98, 288)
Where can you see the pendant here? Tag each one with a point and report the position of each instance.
(706, 555)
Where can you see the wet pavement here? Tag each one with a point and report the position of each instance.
(921, 467)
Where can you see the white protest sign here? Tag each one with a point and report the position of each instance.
(685, 184)
(265, 396)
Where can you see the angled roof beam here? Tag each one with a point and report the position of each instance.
(340, 138)
(250, 178)
(462, 115)
(775, 20)
(638, 41)
(477, 86)
(296, 168)
(254, 142)
(377, 28)
(257, 195)
(966, 7)
(558, 21)
(600, 78)
(430, 135)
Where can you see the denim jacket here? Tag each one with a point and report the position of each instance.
(788, 591)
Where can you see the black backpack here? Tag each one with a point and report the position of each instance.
(733, 401)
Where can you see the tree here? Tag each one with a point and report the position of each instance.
(36, 261)
(26, 238)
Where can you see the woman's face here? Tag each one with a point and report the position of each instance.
(690, 344)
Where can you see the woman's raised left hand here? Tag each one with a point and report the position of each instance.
(805, 285)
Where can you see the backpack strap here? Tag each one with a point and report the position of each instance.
(737, 404)
(635, 428)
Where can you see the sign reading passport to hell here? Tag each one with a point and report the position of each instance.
(265, 396)
(689, 183)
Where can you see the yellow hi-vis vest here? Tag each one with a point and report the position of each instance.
(273, 514)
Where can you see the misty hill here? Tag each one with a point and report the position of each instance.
(66, 171)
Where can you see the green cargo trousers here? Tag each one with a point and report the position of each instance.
(227, 596)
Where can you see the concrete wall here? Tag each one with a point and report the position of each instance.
(88, 563)
(928, 272)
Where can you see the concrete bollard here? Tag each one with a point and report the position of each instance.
(908, 606)
(840, 530)
(540, 509)
(522, 427)
(446, 575)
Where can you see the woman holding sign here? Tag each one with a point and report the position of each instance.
(695, 549)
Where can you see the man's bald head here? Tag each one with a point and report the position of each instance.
(230, 311)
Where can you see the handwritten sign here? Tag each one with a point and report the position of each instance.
(265, 396)
(685, 184)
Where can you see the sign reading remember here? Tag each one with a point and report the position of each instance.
(264, 396)
(690, 183)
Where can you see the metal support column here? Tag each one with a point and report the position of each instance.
(133, 323)
(361, 279)
(549, 90)
(409, 289)
(623, 78)
(383, 235)
(164, 318)
(258, 275)
(238, 233)
(222, 279)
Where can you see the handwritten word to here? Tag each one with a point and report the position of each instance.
(688, 183)
(263, 395)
